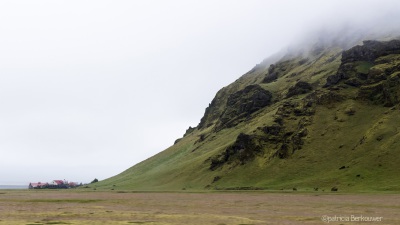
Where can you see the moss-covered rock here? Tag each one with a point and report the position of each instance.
(385, 92)
(358, 60)
(245, 148)
(299, 88)
(370, 50)
(272, 74)
(242, 104)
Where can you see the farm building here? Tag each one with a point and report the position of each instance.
(38, 185)
(55, 184)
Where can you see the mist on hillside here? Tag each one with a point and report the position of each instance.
(346, 34)
(343, 29)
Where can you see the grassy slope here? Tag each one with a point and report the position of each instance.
(364, 143)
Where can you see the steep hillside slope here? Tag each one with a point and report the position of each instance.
(319, 119)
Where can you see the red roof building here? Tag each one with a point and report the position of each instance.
(58, 182)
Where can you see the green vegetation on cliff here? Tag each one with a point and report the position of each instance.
(311, 121)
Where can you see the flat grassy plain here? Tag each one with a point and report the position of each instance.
(35, 207)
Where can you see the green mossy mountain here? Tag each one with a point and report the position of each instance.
(328, 117)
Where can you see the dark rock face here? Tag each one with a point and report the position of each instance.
(215, 109)
(189, 131)
(299, 88)
(273, 130)
(290, 109)
(177, 140)
(243, 103)
(353, 82)
(292, 139)
(376, 75)
(272, 74)
(334, 79)
(229, 104)
(323, 98)
(244, 149)
(370, 50)
(374, 68)
(210, 114)
(274, 140)
(278, 140)
(385, 92)
(345, 71)
(270, 77)
(276, 70)
(367, 53)
(217, 178)
(250, 99)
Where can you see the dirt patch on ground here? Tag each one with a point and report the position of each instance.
(81, 207)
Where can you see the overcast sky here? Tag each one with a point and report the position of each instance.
(90, 88)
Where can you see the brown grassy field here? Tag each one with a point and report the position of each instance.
(216, 208)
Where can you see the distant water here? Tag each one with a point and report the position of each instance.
(13, 186)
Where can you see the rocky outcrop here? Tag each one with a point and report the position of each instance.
(278, 70)
(177, 141)
(218, 105)
(212, 112)
(370, 50)
(242, 104)
(299, 88)
(291, 139)
(374, 68)
(273, 132)
(357, 60)
(281, 139)
(346, 71)
(245, 148)
(323, 97)
(189, 131)
(272, 74)
(385, 92)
